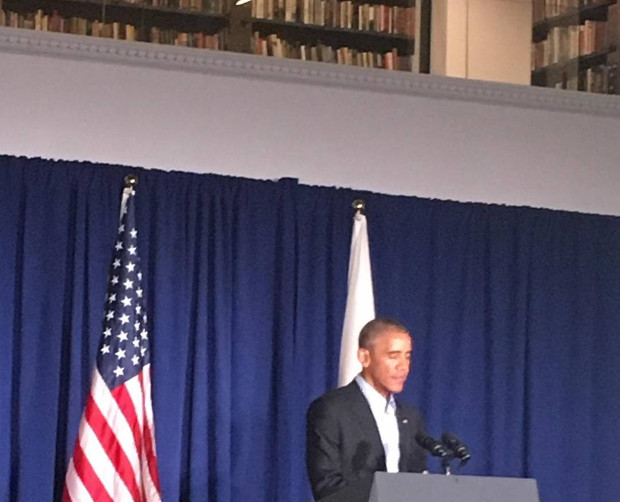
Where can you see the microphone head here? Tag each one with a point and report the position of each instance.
(454, 444)
(430, 444)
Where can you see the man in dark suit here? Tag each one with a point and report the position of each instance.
(359, 429)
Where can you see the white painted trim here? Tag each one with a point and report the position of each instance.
(184, 59)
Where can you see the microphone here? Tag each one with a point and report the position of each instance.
(430, 444)
(454, 444)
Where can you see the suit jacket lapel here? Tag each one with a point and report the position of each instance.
(405, 434)
(363, 416)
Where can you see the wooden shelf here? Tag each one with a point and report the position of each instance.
(234, 29)
(184, 20)
(595, 12)
(549, 75)
(374, 41)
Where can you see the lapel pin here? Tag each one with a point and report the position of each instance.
(405, 420)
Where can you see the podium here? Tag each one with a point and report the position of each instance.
(409, 487)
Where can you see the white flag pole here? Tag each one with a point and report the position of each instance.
(360, 306)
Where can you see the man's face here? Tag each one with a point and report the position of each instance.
(386, 364)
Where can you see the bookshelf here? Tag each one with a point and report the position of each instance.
(575, 45)
(345, 31)
(392, 35)
(193, 23)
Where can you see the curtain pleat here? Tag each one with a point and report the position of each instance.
(514, 313)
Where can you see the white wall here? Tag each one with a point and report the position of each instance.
(395, 143)
(499, 40)
(482, 39)
(449, 37)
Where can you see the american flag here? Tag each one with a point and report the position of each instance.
(114, 457)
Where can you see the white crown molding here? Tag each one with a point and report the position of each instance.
(38, 43)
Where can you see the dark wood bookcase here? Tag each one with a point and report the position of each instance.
(574, 45)
(393, 34)
(165, 22)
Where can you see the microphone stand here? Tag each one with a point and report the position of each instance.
(447, 459)
(445, 462)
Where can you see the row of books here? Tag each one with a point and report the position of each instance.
(175, 4)
(196, 5)
(612, 30)
(118, 31)
(568, 42)
(544, 9)
(339, 14)
(272, 45)
(599, 79)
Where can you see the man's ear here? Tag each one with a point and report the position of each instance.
(363, 356)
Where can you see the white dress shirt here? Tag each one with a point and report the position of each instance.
(384, 411)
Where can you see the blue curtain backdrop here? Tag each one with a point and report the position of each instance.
(515, 314)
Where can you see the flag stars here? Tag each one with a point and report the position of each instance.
(125, 335)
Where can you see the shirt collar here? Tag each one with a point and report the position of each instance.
(376, 401)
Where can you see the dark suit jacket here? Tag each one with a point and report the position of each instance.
(343, 443)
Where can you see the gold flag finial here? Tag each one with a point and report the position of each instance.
(359, 205)
(131, 180)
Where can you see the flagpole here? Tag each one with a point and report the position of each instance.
(360, 307)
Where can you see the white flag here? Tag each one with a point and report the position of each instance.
(360, 301)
